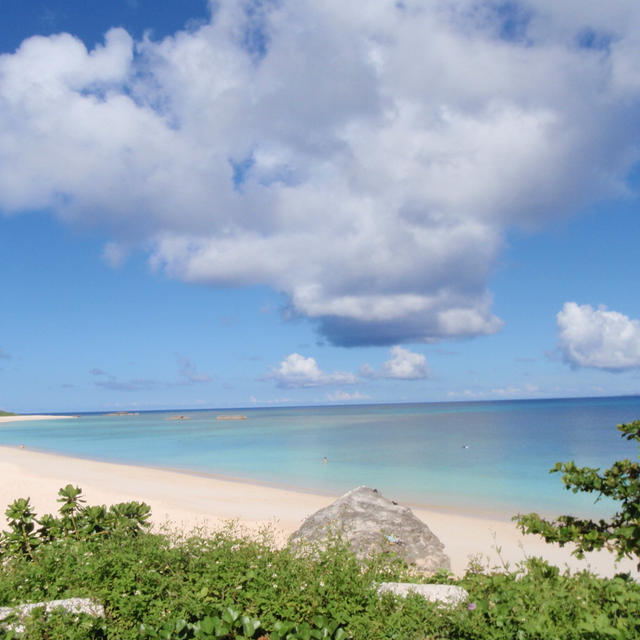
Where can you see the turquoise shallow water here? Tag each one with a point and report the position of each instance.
(490, 457)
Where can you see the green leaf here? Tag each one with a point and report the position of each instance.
(304, 631)
(208, 624)
(230, 615)
(249, 625)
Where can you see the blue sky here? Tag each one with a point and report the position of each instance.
(262, 203)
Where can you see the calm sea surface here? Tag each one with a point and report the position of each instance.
(490, 457)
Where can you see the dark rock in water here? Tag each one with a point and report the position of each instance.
(371, 523)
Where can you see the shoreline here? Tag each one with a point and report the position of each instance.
(489, 513)
(188, 501)
(39, 416)
(493, 513)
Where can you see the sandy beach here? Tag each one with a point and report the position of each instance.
(187, 501)
(21, 418)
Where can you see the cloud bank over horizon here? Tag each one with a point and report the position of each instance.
(366, 161)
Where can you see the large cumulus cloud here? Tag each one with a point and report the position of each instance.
(364, 159)
(598, 338)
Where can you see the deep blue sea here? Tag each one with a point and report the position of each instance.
(489, 457)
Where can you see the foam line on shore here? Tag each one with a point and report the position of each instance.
(188, 501)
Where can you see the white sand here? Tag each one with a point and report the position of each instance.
(21, 418)
(190, 500)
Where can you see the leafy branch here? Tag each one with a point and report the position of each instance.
(621, 483)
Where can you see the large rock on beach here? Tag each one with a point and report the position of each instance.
(371, 523)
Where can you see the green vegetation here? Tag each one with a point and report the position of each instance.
(7, 413)
(621, 482)
(228, 585)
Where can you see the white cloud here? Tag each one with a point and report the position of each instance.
(345, 396)
(137, 384)
(297, 371)
(190, 373)
(114, 254)
(511, 391)
(598, 338)
(403, 365)
(366, 161)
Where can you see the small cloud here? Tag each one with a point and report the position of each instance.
(114, 254)
(131, 385)
(402, 365)
(466, 393)
(441, 351)
(598, 338)
(405, 365)
(296, 371)
(189, 372)
(345, 396)
(4, 355)
(367, 371)
(512, 391)
(97, 372)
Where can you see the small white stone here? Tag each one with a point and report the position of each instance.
(73, 605)
(447, 594)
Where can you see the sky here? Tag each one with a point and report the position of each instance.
(283, 202)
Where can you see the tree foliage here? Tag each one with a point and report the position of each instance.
(621, 483)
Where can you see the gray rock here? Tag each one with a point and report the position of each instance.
(73, 605)
(446, 594)
(371, 524)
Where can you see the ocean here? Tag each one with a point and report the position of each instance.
(488, 458)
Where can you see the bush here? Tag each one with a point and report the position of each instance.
(227, 585)
(75, 521)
